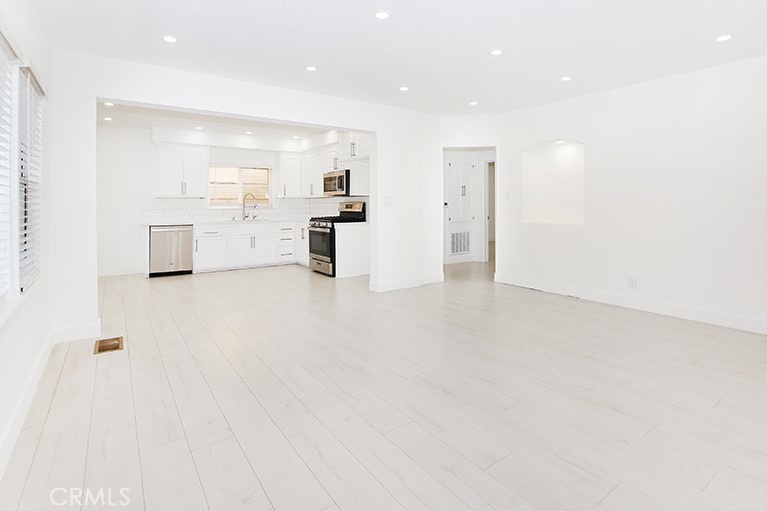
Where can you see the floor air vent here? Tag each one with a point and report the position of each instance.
(459, 243)
(107, 345)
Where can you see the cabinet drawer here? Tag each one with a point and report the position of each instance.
(285, 255)
(202, 232)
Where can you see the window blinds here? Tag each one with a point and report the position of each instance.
(30, 169)
(6, 116)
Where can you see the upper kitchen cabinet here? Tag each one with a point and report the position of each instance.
(353, 145)
(313, 166)
(331, 159)
(181, 171)
(289, 176)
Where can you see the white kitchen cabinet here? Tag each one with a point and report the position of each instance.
(196, 171)
(243, 245)
(353, 144)
(210, 253)
(312, 169)
(240, 250)
(359, 176)
(181, 171)
(331, 159)
(264, 248)
(302, 244)
(289, 182)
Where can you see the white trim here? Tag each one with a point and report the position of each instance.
(18, 416)
(433, 279)
(382, 287)
(125, 270)
(667, 309)
(77, 332)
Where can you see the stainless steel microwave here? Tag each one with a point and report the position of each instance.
(336, 182)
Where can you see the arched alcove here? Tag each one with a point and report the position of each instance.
(553, 177)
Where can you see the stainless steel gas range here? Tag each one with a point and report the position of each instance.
(322, 241)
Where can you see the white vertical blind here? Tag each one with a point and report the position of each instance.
(30, 170)
(6, 116)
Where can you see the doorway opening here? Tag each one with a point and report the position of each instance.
(469, 212)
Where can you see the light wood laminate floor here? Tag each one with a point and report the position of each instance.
(279, 388)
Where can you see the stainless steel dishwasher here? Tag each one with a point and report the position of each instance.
(170, 249)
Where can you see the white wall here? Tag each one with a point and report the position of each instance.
(676, 173)
(552, 185)
(125, 161)
(26, 335)
(78, 80)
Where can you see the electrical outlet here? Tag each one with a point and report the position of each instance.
(632, 282)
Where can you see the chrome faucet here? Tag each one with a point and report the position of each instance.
(245, 215)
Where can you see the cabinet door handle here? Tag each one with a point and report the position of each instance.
(303, 233)
(311, 189)
(284, 190)
(289, 253)
(196, 245)
(182, 188)
(335, 163)
(286, 239)
(286, 228)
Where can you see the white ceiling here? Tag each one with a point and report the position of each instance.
(437, 48)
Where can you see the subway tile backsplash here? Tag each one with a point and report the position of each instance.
(191, 211)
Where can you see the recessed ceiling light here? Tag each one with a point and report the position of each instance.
(198, 127)
(296, 137)
(382, 15)
(107, 118)
(169, 39)
(566, 78)
(404, 89)
(722, 38)
(495, 53)
(311, 68)
(248, 132)
(473, 103)
(560, 141)
(109, 104)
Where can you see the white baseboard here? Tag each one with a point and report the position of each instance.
(667, 309)
(432, 279)
(382, 287)
(77, 332)
(19, 414)
(111, 272)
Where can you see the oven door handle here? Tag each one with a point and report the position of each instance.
(319, 229)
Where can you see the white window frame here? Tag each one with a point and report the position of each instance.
(238, 204)
(29, 177)
(14, 299)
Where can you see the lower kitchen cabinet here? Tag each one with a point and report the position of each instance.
(243, 245)
(240, 251)
(210, 253)
(302, 244)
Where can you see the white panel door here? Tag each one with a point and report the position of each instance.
(264, 248)
(331, 159)
(196, 171)
(289, 183)
(360, 145)
(210, 253)
(169, 172)
(240, 251)
(312, 168)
